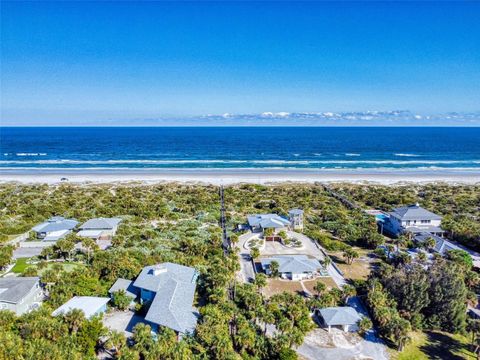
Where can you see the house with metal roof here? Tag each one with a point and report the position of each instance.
(261, 222)
(441, 246)
(99, 228)
(20, 294)
(413, 218)
(90, 306)
(54, 229)
(345, 317)
(170, 290)
(293, 267)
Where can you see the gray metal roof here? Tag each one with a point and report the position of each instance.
(13, 290)
(125, 285)
(295, 264)
(414, 212)
(267, 221)
(174, 286)
(425, 229)
(101, 224)
(341, 315)
(441, 245)
(56, 223)
(295, 212)
(90, 305)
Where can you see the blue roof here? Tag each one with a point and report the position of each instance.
(174, 286)
(267, 221)
(56, 223)
(295, 264)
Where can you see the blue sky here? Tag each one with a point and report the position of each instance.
(70, 62)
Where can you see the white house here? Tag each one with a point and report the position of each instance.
(345, 317)
(89, 305)
(293, 267)
(413, 218)
(54, 229)
(99, 228)
(20, 294)
(261, 222)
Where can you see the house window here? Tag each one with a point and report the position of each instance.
(425, 221)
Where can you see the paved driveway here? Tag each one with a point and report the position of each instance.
(246, 274)
(26, 252)
(319, 345)
(123, 321)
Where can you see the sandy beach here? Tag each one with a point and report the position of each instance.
(234, 176)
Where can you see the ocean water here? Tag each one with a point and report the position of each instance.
(429, 149)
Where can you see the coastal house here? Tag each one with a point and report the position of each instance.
(169, 290)
(54, 229)
(414, 219)
(271, 223)
(20, 294)
(99, 228)
(441, 246)
(296, 219)
(292, 267)
(90, 306)
(344, 317)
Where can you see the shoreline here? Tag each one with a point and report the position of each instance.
(236, 176)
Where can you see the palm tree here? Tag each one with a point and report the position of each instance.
(74, 319)
(327, 262)
(260, 282)
(350, 255)
(254, 253)
(429, 243)
(274, 266)
(347, 292)
(319, 288)
(90, 245)
(116, 341)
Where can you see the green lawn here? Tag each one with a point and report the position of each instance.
(20, 265)
(67, 266)
(435, 345)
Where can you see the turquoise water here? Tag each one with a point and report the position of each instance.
(240, 147)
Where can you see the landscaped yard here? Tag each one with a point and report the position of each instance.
(435, 345)
(66, 266)
(20, 265)
(359, 269)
